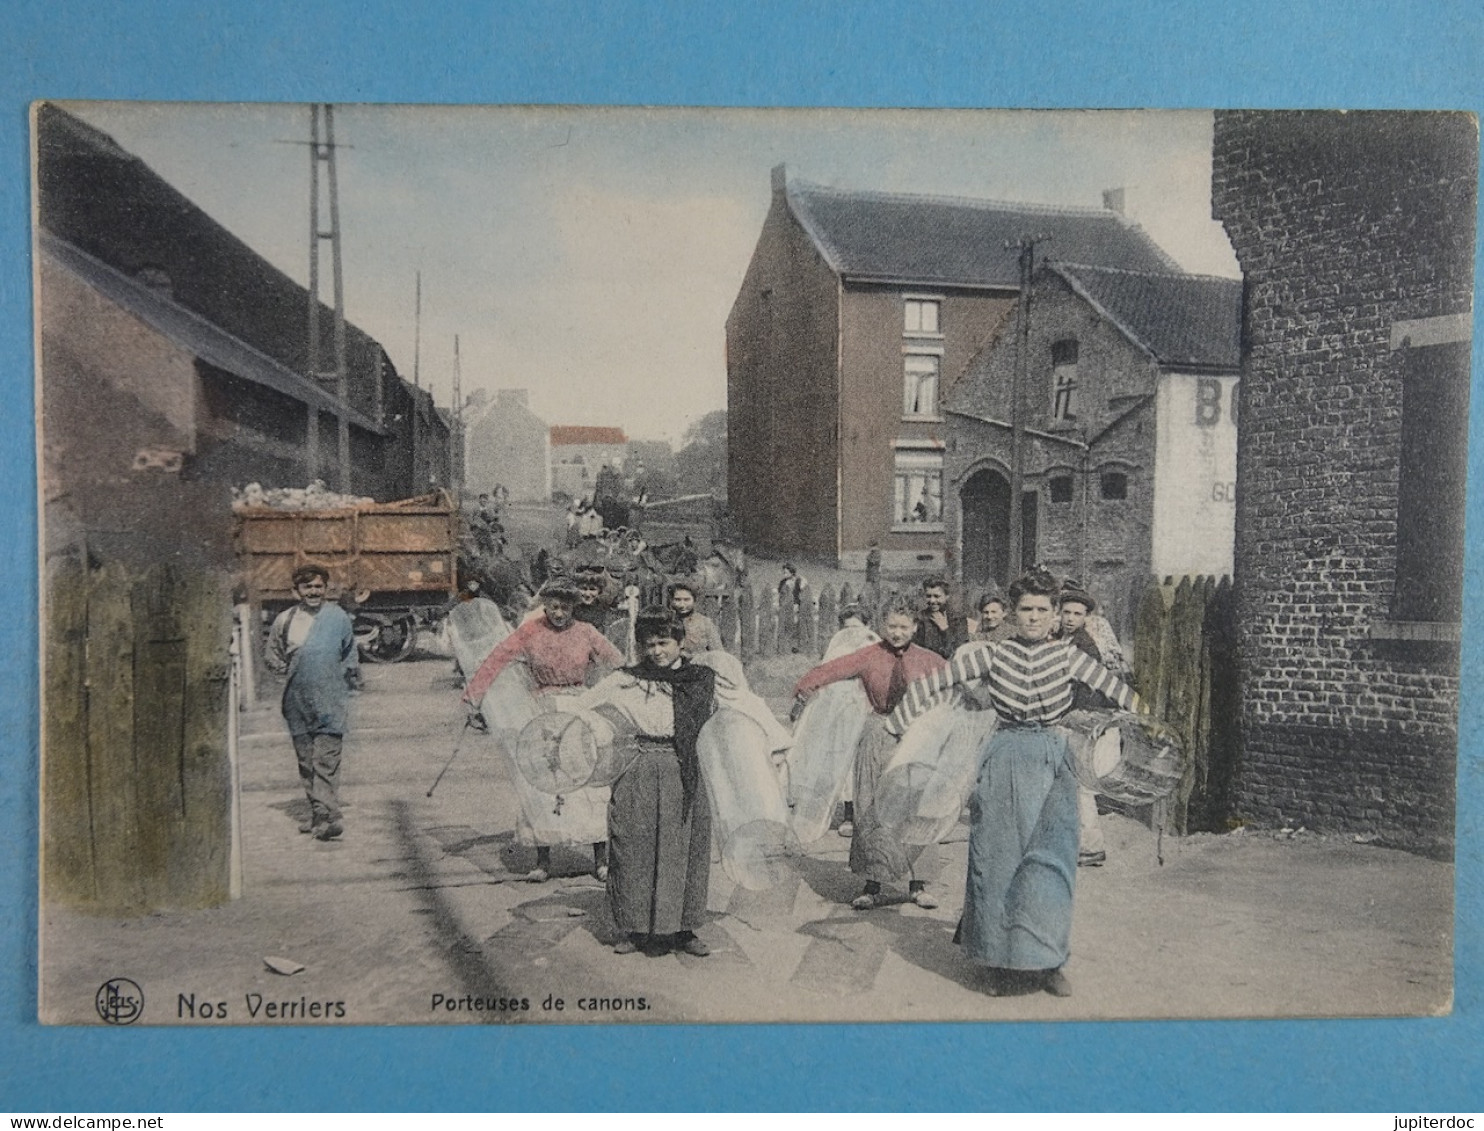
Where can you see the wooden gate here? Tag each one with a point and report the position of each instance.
(136, 783)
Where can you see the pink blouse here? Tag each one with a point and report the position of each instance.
(557, 658)
(872, 665)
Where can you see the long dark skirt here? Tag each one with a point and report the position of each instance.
(876, 851)
(659, 856)
(1022, 852)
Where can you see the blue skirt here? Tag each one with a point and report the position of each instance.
(1022, 852)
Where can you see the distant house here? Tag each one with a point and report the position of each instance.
(173, 362)
(857, 314)
(580, 452)
(506, 444)
(1355, 234)
(1130, 450)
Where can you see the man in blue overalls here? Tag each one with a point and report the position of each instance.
(314, 643)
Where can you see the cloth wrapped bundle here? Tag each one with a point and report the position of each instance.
(749, 816)
(819, 763)
(474, 628)
(1123, 755)
(924, 787)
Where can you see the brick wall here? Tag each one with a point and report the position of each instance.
(871, 379)
(1109, 551)
(783, 394)
(1343, 224)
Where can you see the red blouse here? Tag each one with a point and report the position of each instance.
(558, 658)
(872, 665)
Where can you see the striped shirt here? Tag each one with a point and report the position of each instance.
(1027, 683)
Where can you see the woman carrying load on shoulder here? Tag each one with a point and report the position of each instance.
(659, 818)
(563, 655)
(885, 669)
(1023, 834)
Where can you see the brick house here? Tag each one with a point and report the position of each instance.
(507, 444)
(172, 362)
(579, 452)
(1355, 234)
(857, 313)
(1130, 443)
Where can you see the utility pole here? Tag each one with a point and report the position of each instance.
(414, 422)
(323, 153)
(1018, 385)
(456, 431)
(417, 332)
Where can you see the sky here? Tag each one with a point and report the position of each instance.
(591, 255)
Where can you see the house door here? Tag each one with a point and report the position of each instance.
(984, 502)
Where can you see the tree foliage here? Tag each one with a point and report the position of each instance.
(702, 459)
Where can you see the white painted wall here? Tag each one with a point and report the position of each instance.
(1195, 474)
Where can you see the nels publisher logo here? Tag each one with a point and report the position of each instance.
(119, 1001)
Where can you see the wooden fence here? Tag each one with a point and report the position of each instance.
(136, 778)
(1185, 668)
(1184, 659)
(757, 625)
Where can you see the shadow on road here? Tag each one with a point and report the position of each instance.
(465, 958)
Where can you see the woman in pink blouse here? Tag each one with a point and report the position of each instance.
(560, 652)
(885, 669)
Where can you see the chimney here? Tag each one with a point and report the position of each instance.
(780, 179)
(1113, 199)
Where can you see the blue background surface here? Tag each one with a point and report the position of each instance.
(1273, 53)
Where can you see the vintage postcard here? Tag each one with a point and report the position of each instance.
(576, 565)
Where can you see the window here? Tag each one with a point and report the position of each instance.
(920, 384)
(920, 316)
(918, 495)
(1061, 488)
(1114, 485)
(1064, 379)
(1434, 459)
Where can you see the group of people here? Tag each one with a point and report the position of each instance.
(1031, 824)
(1030, 656)
(650, 832)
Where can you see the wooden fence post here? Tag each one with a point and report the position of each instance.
(767, 624)
(747, 646)
(1187, 615)
(112, 779)
(726, 620)
(159, 715)
(205, 766)
(809, 629)
(1223, 709)
(828, 618)
(67, 817)
(1151, 643)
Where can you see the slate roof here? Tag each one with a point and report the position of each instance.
(1182, 320)
(201, 336)
(944, 240)
(109, 204)
(562, 434)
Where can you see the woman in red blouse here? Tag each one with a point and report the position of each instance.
(886, 669)
(560, 652)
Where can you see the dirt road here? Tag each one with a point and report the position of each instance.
(418, 915)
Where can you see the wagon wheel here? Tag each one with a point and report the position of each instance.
(383, 639)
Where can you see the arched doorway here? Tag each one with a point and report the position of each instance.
(984, 501)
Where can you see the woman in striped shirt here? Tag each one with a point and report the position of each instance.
(1023, 811)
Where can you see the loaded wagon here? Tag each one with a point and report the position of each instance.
(396, 562)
